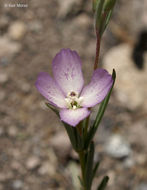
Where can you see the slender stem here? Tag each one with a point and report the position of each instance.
(82, 157)
(97, 50)
(82, 153)
(86, 127)
(79, 127)
(82, 163)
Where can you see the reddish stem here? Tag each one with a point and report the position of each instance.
(97, 50)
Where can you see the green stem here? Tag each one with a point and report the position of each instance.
(82, 157)
(82, 163)
(86, 127)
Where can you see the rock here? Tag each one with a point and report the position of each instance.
(8, 48)
(140, 159)
(74, 172)
(131, 82)
(7, 175)
(61, 144)
(65, 6)
(47, 168)
(32, 163)
(142, 186)
(3, 78)
(4, 21)
(25, 87)
(112, 177)
(12, 131)
(1, 131)
(35, 26)
(17, 30)
(139, 131)
(2, 95)
(117, 147)
(129, 162)
(83, 20)
(17, 184)
(16, 165)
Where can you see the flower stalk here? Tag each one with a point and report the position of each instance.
(98, 41)
(72, 101)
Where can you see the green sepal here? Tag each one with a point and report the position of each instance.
(74, 136)
(52, 108)
(103, 183)
(71, 134)
(99, 115)
(88, 176)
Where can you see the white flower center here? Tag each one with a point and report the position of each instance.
(73, 101)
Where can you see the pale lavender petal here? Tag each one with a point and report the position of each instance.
(67, 71)
(73, 117)
(50, 90)
(97, 89)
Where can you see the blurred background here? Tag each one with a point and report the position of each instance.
(34, 149)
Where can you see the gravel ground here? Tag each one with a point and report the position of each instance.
(34, 150)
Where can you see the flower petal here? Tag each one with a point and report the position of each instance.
(73, 117)
(50, 90)
(67, 71)
(97, 89)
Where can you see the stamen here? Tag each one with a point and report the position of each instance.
(72, 94)
(74, 107)
(72, 100)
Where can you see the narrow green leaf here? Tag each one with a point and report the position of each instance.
(108, 9)
(95, 169)
(103, 11)
(109, 4)
(94, 4)
(98, 14)
(103, 183)
(89, 167)
(100, 114)
(106, 21)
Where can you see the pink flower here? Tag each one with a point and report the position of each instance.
(66, 90)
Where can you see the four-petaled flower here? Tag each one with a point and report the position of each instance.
(66, 91)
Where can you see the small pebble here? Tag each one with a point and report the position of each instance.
(17, 184)
(12, 131)
(117, 147)
(8, 48)
(61, 144)
(47, 168)
(129, 162)
(32, 163)
(17, 30)
(142, 186)
(3, 78)
(2, 95)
